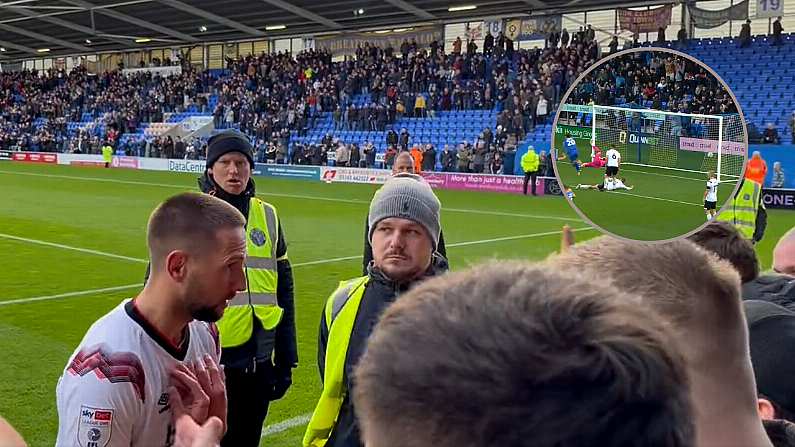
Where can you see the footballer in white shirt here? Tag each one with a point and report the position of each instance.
(711, 196)
(161, 345)
(608, 185)
(613, 162)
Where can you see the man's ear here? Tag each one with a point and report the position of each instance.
(765, 409)
(176, 265)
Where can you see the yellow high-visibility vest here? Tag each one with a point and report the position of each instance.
(341, 309)
(742, 211)
(530, 161)
(262, 238)
(107, 154)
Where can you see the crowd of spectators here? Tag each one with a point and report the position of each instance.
(277, 97)
(273, 97)
(661, 81)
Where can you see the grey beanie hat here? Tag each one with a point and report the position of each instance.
(407, 196)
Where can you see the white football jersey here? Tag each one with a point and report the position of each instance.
(613, 157)
(712, 190)
(615, 184)
(114, 389)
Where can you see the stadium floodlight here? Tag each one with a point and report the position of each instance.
(202, 29)
(361, 11)
(275, 27)
(88, 41)
(2, 49)
(676, 141)
(461, 8)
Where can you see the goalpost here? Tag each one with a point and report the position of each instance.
(685, 142)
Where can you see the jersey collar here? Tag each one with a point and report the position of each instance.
(178, 352)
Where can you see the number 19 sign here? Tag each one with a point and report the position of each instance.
(769, 8)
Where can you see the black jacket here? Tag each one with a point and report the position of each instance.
(777, 289)
(781, 432)
(281, 342)
(367, 257)
(379, 293)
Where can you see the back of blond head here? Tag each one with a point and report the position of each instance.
(690, 288)
(698, 295)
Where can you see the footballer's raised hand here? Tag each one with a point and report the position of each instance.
(192, 396)
(211, 378)
(188, 432)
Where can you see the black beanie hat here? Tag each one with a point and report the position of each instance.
(228, 141)
(771, 336)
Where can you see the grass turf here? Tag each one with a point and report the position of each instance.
(106, 211)
(664, 203)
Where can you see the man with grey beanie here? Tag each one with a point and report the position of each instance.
(404, 165)
(404, 222)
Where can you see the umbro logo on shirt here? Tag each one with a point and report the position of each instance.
(163, 403)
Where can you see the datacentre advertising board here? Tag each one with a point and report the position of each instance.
(288, 171)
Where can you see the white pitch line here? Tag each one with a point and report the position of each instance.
(500, 213)
(511, 238)
(663, 175)
(657, 198)
(69, 294)
(325, 261)
(128, 258)
(69, 247)
(299, 264)
(289, 196)
(286, 425)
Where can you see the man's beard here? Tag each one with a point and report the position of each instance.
(206, 314)
(196, 307)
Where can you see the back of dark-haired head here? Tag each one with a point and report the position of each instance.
(771, 336)
(190, 222)
(723, 239)
(513, 354)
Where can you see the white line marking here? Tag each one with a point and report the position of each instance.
(664, 175)
(300, 264)
(69, 294)
(657, 198)
(500, 213)
(128, 258)
(675, 169)
(325, 261)
(290, 196)
(458, 244)
(511, 238)
(289, 423)
(286, 425)
(68, 247)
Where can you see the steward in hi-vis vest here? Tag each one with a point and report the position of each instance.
(404, 231)
(746, 211)
(257, 331)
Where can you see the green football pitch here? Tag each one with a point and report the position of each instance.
(74, 240)
(664, 203)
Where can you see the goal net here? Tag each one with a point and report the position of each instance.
(690, 143)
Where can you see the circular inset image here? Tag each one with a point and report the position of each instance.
(649, 144)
